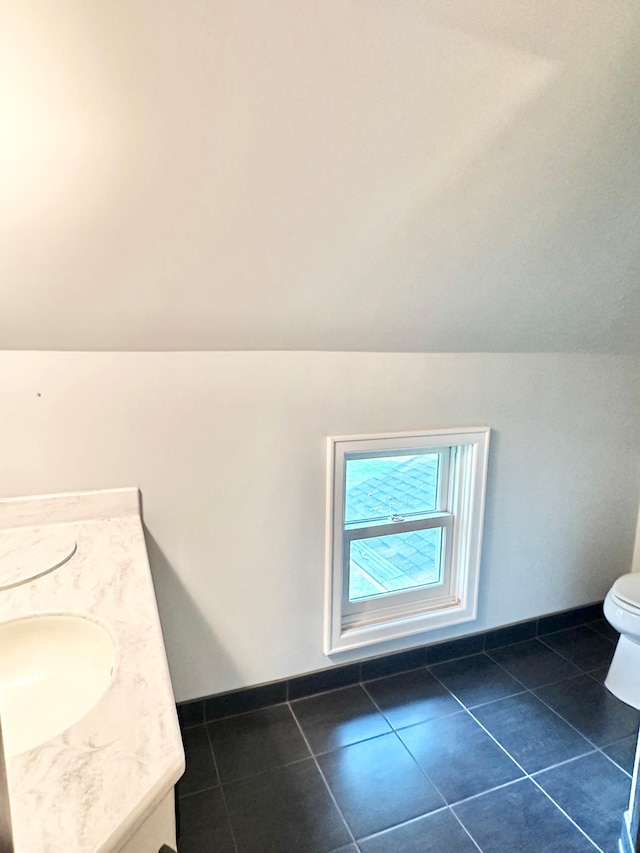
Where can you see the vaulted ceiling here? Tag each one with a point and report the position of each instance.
(386, 175)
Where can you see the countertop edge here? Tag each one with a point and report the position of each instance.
(95, 783)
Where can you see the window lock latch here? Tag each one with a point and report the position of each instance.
(395, 517)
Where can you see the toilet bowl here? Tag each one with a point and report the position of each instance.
(622, 611)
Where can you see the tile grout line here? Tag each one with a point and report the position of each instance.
(262, 772)
(471, 714)
(451, 660)
(427, 666)
(562, 763)
(484, 634)
(564, 657)
(323, 777)
(528, 776)
(583, 671)
(492, 701)
(506, 671)
(488, 791)
(199, 791)
(591, 672)
(547, 648)
(540, 699)
(615, 763)
(361, 682)
(506, 751)
(536, 783)
(550, 798)
(222, 791)
(412, 756)
(531, 690)
(400, 728)
(591, 622)
(462, 707)
(392, 674)
(426, 663)
(451, 811)
(598, 633)
(521, 778)
(395, 730)
(422, 770)
(600, 748)
(324, 692)
(412, 820)
(525, 689)
(215, 720)
(559, 715)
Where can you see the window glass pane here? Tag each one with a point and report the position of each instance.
(399, 561)
(376, 488)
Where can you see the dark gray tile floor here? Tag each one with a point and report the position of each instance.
(518, 749)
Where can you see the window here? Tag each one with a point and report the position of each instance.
(404, 533)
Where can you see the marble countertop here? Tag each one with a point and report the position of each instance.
(90, 787)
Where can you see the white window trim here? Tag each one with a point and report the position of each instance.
(463, 505)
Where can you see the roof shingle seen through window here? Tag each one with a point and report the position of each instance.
(398, 561)
(408, 486)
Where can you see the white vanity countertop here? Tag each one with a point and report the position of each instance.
(89, 788)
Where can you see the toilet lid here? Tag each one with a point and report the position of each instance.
(627, 590)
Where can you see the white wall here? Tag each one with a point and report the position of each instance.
(229, 451)
(635, 565)
(388, 175)
(384, 175)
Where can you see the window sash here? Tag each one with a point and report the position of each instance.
(399, 598)
(385, 528)
(442, 486)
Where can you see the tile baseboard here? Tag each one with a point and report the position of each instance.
(198, 711)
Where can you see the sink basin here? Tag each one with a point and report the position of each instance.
(53, 670)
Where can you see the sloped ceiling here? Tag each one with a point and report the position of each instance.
(385, 175)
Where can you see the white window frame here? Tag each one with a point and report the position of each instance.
(459, 512)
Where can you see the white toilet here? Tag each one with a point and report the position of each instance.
(622, 610)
